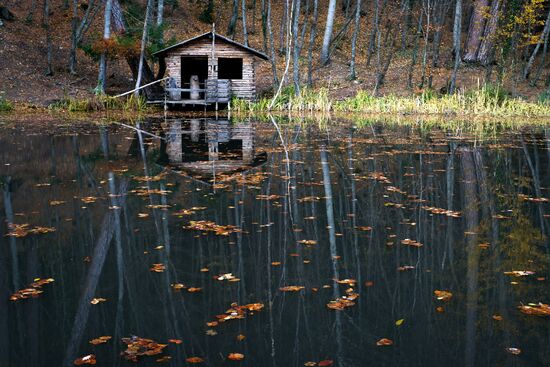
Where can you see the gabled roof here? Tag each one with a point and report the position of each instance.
(257, 53)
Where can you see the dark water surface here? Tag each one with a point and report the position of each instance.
(393, 213)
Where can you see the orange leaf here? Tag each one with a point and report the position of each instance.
(89, 359)
(194, 360)
(384, 342)
(235, 356)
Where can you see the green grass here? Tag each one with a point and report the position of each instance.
(5, 105)
(486, 100)
(100, 103)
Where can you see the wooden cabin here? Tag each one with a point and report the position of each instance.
(208, 69)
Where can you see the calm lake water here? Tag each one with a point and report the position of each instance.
(369, 221)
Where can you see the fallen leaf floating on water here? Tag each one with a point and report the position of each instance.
(399, 322)
(241, 337)
(292, 288)
(514, 351)
(310, 364)
(147, 192)
(405, 268)
(89, 359)
(22, 230)
(96, 301)
(57, 202)
(139, 347)
(237, 312)
(235, 356)
(534, 200)
(540, 309)
(208, 226)
(89, 199)
(158, 268)
(194, 289)
(412, 243)
(497, 318)
(308, 242)
(150, 178)
(384, 342)
(191, 211)
(143, 215)
(441, 211)
(364, 228)
(519, 273)
(158, 206)
(309, 199)
(440, 309)
(229, 276)
(175, 341)
(34, 290)
(268, 197)
(177, 286)
(194, 360)
(343, 302)
(163, 359)
(443, 295)
(350, 282)
(100, 340)
(325, 363)
(211, 332)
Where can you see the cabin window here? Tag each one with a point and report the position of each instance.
(230, 68)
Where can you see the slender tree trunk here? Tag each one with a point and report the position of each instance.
(46, 26)
(542, 40)
(233, 21)
(441, 14)
(74, 28)
(475, 31)
(415, 51)
(406, 23)
(148, 12)
(328, 32)
(375, 30)
(312, 35)
(352, 75)
(456, 44)
(282, 30)
(264, 26)
(160, 19)
(541, 64)
(486, 48)
(100, 89)
(271, 45)
(296, 48)
(427, 9)
(245, 32)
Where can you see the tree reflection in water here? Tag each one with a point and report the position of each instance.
(340, 203)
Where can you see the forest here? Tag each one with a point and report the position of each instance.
(77, 49)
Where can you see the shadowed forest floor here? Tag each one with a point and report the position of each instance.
(23, 56)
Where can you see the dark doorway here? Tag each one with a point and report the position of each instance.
(193, 66)
(230, 68)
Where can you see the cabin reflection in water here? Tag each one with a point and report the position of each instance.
(210, 150)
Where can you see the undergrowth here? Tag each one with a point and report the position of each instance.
(485, 100)
(5, 105)
(100, 103)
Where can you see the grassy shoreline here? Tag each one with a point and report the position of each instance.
(484, 101)
(479, 106)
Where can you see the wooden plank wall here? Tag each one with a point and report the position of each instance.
(244, 88)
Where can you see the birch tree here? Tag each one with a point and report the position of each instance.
(100, 89)
(143, 45)
(328, 32)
